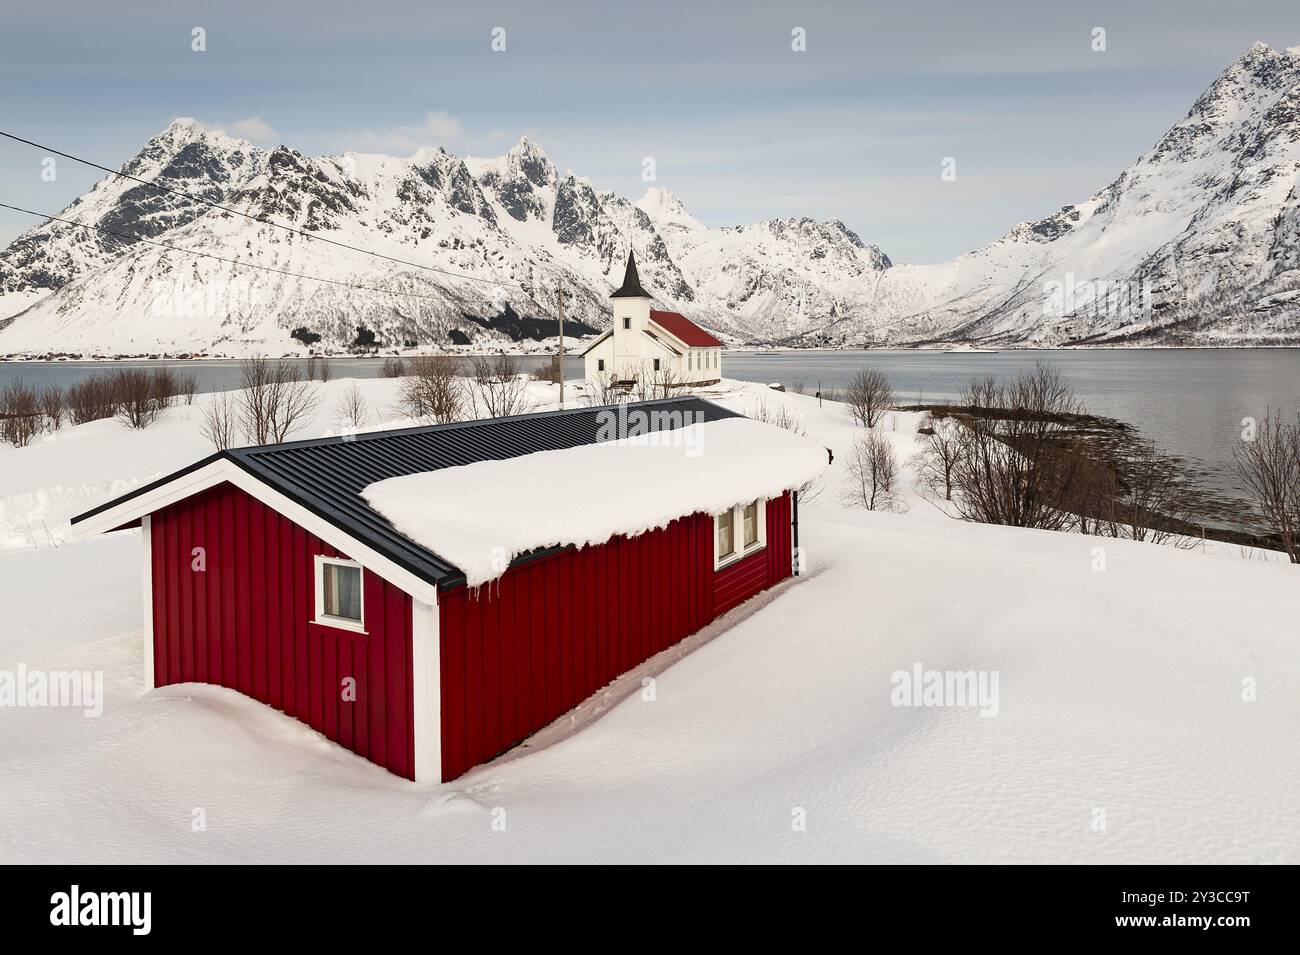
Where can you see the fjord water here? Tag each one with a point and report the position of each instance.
(1191, 402)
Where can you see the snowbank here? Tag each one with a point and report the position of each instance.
(481, 516)
(1125, 732)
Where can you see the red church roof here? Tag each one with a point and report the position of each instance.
(685, 329)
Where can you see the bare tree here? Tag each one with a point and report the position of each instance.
(873, 470)
(1269, 467)
(869, 396)
(221, 416)
(20, 414)
(1151, 497)
(497, 387)
(187, 386)
(275, 401)
(653, 383)
(940, 452)
(164, 387)
(352, 410)
(604, 389)
(91, 399)
(323, 371)
(138, 404)
(433, 390)
(393, 367)
(53, 406)
(1017, 464)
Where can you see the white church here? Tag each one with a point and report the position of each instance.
(644, 341)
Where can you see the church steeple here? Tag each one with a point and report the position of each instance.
(631, 282)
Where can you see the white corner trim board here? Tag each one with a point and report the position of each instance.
(427, 692)
(146, 575)
(224, 471)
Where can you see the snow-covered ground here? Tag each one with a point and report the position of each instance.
(1121, 731)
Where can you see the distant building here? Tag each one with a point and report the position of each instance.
(644, 342)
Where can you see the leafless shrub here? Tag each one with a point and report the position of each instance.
(1148, 497)
(91, 399)
(20, 414)
(941, 448)
(654, 383)
(497, 387)
(873, 470)
(138, 403)
(778, 415)
(164, 387)
(393, 367)
(187, 386)
(604, 389)
(1016, 464)
(869, 396)
(323, 371)
(221, 417)
(1269, 468)
(275, 401)
(352, 411)
(53, 403)
(432, 390)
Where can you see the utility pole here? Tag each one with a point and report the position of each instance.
(559, 295)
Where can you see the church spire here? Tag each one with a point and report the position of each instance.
(631, 282)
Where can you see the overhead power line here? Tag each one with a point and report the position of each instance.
(154, 184)
(219, 258)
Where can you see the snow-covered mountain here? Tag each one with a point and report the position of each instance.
(502, 234)
(1197, 242)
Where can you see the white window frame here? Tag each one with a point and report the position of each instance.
(738, 534)
(327, 620)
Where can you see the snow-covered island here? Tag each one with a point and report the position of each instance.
(1135, 700)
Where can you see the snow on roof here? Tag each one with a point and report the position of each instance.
(686, 330)
(481, 516)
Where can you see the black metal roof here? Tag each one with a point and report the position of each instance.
(631, 287)
(327, 475)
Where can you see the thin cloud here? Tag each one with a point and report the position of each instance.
(253, 128)
(437, 129)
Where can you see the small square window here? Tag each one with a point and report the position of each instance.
(339, 600)
(627, 323)
(600, 364)
(656, 364)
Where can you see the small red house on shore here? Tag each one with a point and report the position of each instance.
(303, 575)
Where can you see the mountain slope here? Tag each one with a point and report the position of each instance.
(1197, 242)
(1193, 242)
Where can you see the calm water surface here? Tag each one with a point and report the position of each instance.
(1190, 401)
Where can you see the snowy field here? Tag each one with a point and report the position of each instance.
(1120, 735)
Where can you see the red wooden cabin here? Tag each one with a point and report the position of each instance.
(265, 571)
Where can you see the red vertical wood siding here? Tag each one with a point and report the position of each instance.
(245, 623)
(519, 653)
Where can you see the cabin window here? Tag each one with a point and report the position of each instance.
(600, 364)
(741, 531)
(627, 323)
(656, 364)
(726, 535)
(339, 600)
(751, 523)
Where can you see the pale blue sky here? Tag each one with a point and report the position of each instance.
(741, 126)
